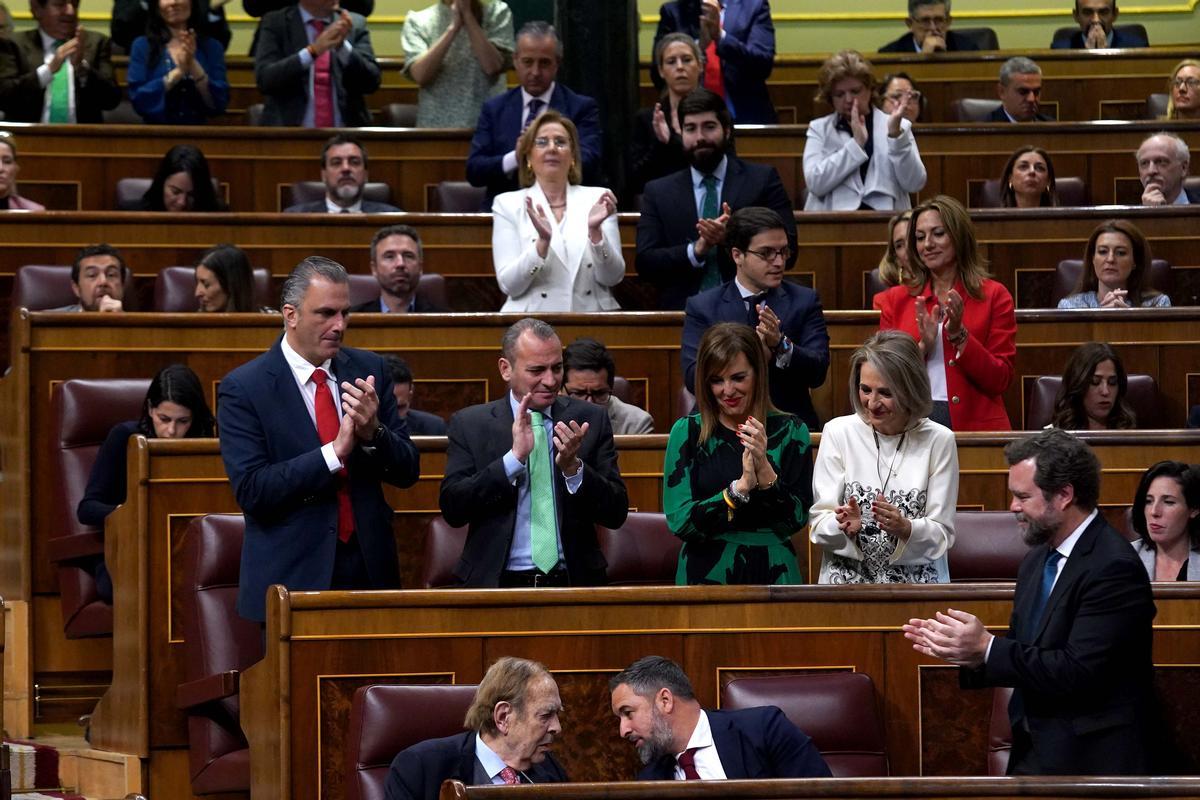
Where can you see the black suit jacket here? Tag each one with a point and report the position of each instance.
(999, 116)
(22, 98)
(1082, 679)
(668, 224)
(422, 423)
(476, 491)
(420, 306)
(319, 207)
(754, 743)
(418, 771)
(955, 42)
(1122, 37)
(800, 318)
(283, 80)
(273, 458)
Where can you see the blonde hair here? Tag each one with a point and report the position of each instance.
(719, 346)
(1187, 62)
(525, 147)
(972, 267)
(890, 271)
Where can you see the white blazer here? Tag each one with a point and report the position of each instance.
(575, 275)
(832, 160)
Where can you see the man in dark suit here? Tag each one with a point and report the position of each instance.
(420, 423)
(511, 724)
(532, 474)
(492, 161)
(314, 66)
(1077, 651)
(682, 224)
(344, 173)
(929, 31)
(306, 469)
(1096, 31)
(737, 38)
(1020, 92)
(787, 316)
(397, 262)
(56, 72)
(678, 740)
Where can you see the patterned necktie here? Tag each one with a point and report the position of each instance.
(708, 210)
(509, 776)
(535, 108)
(687, 763)
(327, 430)
(60, 91)
(543, 536)
(1049, 573)
(322, 83)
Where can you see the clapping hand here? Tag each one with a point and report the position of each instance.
(768, 328)
(605, 207)
(71, 49)
(662, 129)
(890, 519)
(952, 310)
(753, 435)
(361, 404)
(541, 224)
(927, 326)
(894, 118)
(522, 431)
(858, 125)
(956, 636)
(710, 22)
(567, 440)
(712, 231)
(849, 518)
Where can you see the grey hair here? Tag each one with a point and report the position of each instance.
(540, 29)
(297, 282)
(913, 5)
(895, 356)
(675, 38)
(1018, 65)
(542, 330)
(649, 674)
(1182, 153)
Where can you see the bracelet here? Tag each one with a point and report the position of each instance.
(763, 488)
(312, 51)
(738, 497)
(960, 339)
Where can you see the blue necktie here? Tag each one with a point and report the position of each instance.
(535, 108)
(1049, 573)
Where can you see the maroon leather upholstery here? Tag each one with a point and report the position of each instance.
(1141, 394)
(974, 109)
(1156, 105)
(41, 286)
(837, 709)
(385, 719)
(1071, 192)
(84, 413)
(999, 732)
(872, 285)
(456, 197)
(621, 389)
(1066, 275)
(399, 115)
(642, 551)
(217, 644)
(987, 547)
(310, 191)
(431, 288)
(685, 401)
(175, 289)
(443, 548)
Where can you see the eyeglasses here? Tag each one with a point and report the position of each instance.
(545, 143)
(597, 396)
(930, 22)
(905, 97)
(1193, 84)
(770, 254)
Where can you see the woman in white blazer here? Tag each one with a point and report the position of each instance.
(555, 244)
(858, 157)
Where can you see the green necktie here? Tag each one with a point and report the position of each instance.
(543, 536)
(60, 92)
(708, 210)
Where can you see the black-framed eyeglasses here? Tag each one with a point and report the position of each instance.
(598, 396)
(769, 254)
(1192, 84)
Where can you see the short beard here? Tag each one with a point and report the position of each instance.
(1036, 532)
(708, 162)
(658, 743)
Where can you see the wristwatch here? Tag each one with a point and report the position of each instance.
(785, 344)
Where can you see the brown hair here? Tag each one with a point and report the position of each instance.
(1142, 257)
(506, 681)
(972, 267)
(719, 346)
(1008, 198)
(525, 147)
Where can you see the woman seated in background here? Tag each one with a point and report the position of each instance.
(1092, 393)
(886, 481)
(555, 244)
(9, 169)
(657, 148)
(1119, 258)
(898, 90)
(1166, 516)
(1183, 90)
(176, 73)
(963, 320)
(858, 157)
(174, 409)
(893, 267)
(225, 280)
(1028, 179)
(738, 475)
(183, 183)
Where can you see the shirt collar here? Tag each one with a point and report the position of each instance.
(48, 42)
(334, 208)
(1069, 543)
(544, 96)
(514, 403)
(701, 734)
(492, 763)
(299, 364)
(743, 291)
(305, 16)
(718, 173)
(1181, 199)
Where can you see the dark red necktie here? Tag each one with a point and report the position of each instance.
(687, 762)
(322, 83)
(327, 430)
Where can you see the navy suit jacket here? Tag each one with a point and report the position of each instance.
(422, 423)
(955, 42)
(1083, 678)
(501, 121)
(476, 491)
(417, 772)
(747, 52)
(999, 116)
(668, 224)
(319, 207)
(1122, 37)
(800, 318)
(273, 458)
(754, 743)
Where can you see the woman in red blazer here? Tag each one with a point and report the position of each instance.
(963, 320)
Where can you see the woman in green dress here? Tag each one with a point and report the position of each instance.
(738, 475)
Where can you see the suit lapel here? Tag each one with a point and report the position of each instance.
(1070, 571)
(733, 307)
(467, 761)
(284, 389)
(729, 746)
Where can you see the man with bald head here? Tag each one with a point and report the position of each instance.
(1163, 161)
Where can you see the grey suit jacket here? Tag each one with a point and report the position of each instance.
(1147, 557)
(628, 419)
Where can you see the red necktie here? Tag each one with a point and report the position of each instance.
(327, 430)
(322, 83)
(509, 776)
(712, 68)
(687, 762)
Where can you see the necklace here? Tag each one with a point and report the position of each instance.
(891, 467)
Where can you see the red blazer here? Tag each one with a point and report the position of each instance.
(977, 377)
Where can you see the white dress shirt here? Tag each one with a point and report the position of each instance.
(707, 759)
(302, 372)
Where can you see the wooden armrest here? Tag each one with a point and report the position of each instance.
(80, 545)
(207, 689)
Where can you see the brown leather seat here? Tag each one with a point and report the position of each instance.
(973, 109)
(431, 288)
(1066, 276)
(1141, 394)
(311, 191)
(1071, 192)
(987, 547)
(456, 197)
(837, 709)
(218, 646)
(983, 38)
(254, 114)
(642, 551)
(685, 402)
(84, 412)
(42, 286)
(443, 549)
(999, 732)
(175, 289)
(385, 719)
(622, 390)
